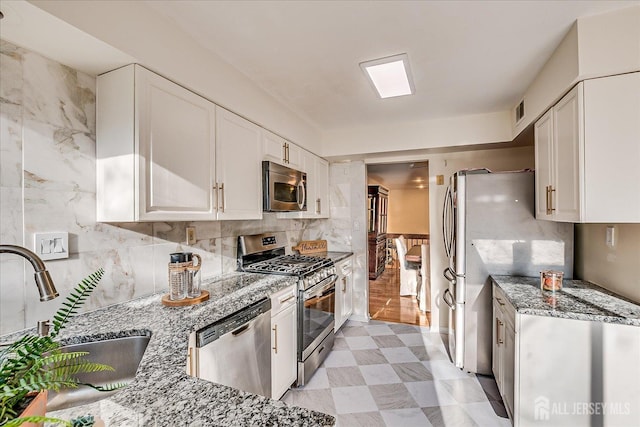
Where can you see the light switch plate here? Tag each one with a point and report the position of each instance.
(50, 246)
(611, 237)
(191, 235)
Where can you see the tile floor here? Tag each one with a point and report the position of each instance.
(391, 374)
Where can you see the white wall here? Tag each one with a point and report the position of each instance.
(617, 268)
(595, 46)
(140, 32)
(408, 211)
(418, 135)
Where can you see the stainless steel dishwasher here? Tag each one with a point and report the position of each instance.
(236, 350)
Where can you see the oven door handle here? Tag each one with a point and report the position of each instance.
(321, 287)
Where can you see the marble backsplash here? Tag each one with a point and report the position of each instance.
(47, 183)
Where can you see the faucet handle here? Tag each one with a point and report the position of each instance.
(43, 327)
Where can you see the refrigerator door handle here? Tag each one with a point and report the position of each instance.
(449, 274)
(448, 299)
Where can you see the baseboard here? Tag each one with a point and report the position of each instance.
(359, 318)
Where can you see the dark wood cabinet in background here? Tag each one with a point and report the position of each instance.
(378, 207)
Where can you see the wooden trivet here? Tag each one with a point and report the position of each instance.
(311, 247)
(204, 295)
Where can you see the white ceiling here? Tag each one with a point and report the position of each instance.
(467, 57)
(400, 176)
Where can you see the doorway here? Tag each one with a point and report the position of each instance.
(398, 215)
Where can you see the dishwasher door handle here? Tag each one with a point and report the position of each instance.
(242, 329)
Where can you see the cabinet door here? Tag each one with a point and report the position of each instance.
(568, 155)
(544, 163)
(508, 365)
(238, 167)
(176, 150)
(294, 156)
(274, 147)
(612, 149)
(348, 293)
(283, 351)
(322, 188)
(497, 353)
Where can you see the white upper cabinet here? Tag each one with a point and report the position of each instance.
(158, 158)
(587, 151)
(281, 151)
(238, 167)
(612, 149)
(322, 188)
(154, 149)
(317, 170)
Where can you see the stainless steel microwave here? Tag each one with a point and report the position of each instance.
(283, 189)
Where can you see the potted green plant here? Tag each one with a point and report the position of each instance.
(34, 364)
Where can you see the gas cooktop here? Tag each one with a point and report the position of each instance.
(292, 265)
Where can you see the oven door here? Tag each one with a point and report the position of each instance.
(315, 315)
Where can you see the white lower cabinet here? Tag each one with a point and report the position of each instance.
(504, 347)
(565, 372)
(283, 341)
(344, 292)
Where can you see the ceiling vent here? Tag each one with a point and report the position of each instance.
(520, 111)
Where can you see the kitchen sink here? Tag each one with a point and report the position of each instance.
(123, 354)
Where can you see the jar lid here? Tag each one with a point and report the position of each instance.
(551, 272)
(177, 257)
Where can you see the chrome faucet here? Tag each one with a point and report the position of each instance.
(43, 278)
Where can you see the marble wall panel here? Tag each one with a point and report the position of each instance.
(11, 84)
(11, 216)
(58, 159)
(12, 296)
(54, 94)
(10, 144)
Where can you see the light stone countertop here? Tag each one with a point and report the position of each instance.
(162, 393)
(577, 299)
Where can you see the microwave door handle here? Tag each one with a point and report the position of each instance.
(302, 190)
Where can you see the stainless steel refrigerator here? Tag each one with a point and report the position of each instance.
(489, 227)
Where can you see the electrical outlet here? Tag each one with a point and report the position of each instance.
(191, 235)
(50, 246)
(610, 239)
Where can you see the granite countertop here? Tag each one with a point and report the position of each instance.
(577, 299)
(336, 257)
(162, 393)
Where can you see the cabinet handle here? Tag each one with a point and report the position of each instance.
(222, 197)
(547, 200)
(344, 284)
(190, 362)
(275, 330)
(551, 191)
(215, 195)
(318, 206)
(287, 299)
(498, 324)
(499, 301)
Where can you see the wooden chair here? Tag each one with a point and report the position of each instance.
(408, 271)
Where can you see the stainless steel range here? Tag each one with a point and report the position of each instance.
(265, 253)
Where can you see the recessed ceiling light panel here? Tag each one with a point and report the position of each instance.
(390, 76)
